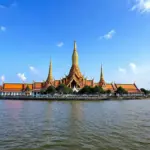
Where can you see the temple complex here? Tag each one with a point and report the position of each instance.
(74, 80)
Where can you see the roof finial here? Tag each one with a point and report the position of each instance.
(75, 46)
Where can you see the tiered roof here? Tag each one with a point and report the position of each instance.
(109, 87)
(130, 88)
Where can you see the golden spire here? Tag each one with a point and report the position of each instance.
(101, 76)
(75, 55)
(102, 81)
(50, 76)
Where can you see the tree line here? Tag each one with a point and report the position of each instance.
(146, 92)
(63, 89)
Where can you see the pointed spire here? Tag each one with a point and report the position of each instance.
(75, 55)
(102, 81)
(50, 76)
(101, 76)
(75, 46)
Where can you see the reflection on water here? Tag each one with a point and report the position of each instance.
(13, 108)
(75, 125)
(77, 110)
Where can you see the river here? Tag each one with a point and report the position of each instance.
(75, 125)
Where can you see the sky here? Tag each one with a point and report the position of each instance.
(114, 33)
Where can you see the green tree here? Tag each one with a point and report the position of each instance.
(97, 90)
(85, 90)
(146, 92)
(51, 90)
(67, 90)
(101, 90)
(60, 88)
(121, 91)
(108, 91)
(63, 89)
(42, 91)
(92, 90)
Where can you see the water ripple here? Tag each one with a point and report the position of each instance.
(113, 125)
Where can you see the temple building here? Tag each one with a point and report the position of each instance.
(74, 80)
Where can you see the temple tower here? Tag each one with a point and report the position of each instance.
(75, 78)
(50, 76)
(75, 55)
(75, 70)
(102, 81)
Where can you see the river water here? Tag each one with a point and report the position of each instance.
(75, 125)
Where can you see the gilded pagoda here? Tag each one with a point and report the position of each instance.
(74, 80)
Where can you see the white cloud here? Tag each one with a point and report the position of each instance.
(2, 28)
(134, 73)
(2, 6)
(21, 76)
(122, 70)
(109, 35)
(8, 5)
(60, 44)
(133, 67)
(141, 5)
(33, 69)
(2, 78)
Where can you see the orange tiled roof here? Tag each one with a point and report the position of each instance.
(127, 86)
(12, 85)
(56, 83)
(131, 88)
(30, 86)
(37, 85)
(15, 87)
(109, 87)
(89, 82)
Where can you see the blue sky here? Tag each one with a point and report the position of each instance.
(113, 32)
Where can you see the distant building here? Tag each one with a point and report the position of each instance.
(74, 80)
